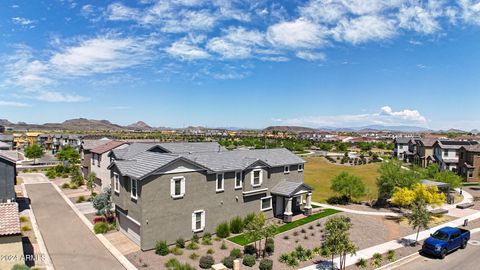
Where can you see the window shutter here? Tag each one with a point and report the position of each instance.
(182, 186)
(193, 221)
(172, 187)
(203, 220)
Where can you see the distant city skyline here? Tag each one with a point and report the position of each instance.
(246, 64)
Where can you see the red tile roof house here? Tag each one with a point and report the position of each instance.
(11, 247)
(101, 160)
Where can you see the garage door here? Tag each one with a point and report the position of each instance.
(129, 227)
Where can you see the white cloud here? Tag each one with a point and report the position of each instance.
(418, 19)
(186, 50)
(52, 96)
(4, 103)
(296, 34)
(22, 21)
(120, 12)
(386, 116)
(363, 29)
(470, 11)
(188, 21)
(236, 43)
(311, 56)
(228, 49)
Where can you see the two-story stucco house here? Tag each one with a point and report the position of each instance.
(8, 175)
(401, 146)
(424, 152)
(86, 156)
(469, 162)
(164, 196)
(100, 161)
(446, 153)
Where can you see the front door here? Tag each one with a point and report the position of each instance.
(278, 206)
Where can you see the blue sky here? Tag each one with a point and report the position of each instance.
(242, 63)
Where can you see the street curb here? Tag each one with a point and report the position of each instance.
(43, 248)
(111, 248)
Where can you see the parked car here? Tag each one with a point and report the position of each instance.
(446, 240)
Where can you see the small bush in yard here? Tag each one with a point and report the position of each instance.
(65, 185)
(20, 267)
(180, 243)
(81, 199)
(270, 246)
(223, 230)
(210, 251)
(73, 186)
(228, 262)
(377, 256)
(99, 219)
(23, 219)
(391, 255)
(292, 262)
(362, 263)
(195, 238)
(236, 225)
(223, 246)
(249, 260)
(192, 245)
(266, 264)
(236, 253)
(249, 249)
(176, 251)
(100, 227)
(174, 264)
(206, 262)
(26, 228)
(284, 257)
(248, 219)
(286, 237)
(194, 256)
(161, 248)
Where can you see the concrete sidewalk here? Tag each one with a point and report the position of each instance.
(396, 244)
(347, 210)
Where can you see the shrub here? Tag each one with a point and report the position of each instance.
(180, 243)
(210, 251)
(310, 227)
(194, 256)
(303, 231)
(195, 238)
(99, 219)
(161, 248)
(362, 263)
(174, 264)
(223, 246)
(249, 260)
(206, 262)
(318, 224)
(100, 227)
(270, 246)
(73, 186)
(292, 262)
(228, 262)
(284, 258)
(286, 237)
(176, 251)
(20, 267)
(250, 250)
(235, 253)
(65, 175)
(192, 245)
(51, 174)
(81, 199)
(266, 264)
(223, 230)
(391, 255)
(236, 225)
(295, 233)
(248, 219)
(23, 219)
(207, 239)
(377, 256)
(26, 228)
(66, 185)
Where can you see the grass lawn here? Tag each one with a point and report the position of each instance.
(319, 172)
(241, 240)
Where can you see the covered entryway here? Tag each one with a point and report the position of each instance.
(128, 226)
(287, 199)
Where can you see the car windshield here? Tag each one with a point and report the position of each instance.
(440, 235)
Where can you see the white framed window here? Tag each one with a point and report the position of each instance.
(198, 221)
(300, 167)
(266, 203)
(257, 178)
(133, 188)
(116, 182)
(177, 187)
(286, 169)
(238, 180)
(220, 182)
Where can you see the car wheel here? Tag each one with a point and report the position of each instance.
(443, 254)
(464, 244)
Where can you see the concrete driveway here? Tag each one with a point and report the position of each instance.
(69, 242)
(33, 178)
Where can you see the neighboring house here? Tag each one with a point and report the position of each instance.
(32, 137)
(469, 162)
(8, 175)
(408, 155)
(5, 146)
(10, 236)
(2, 129)
(165, 196)
(100, 161)
(446, 153)
(86, 156)
(401, 146)
(424, 154)
(7, 138)
(45, 141)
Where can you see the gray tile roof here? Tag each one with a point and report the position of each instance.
(4, 145)
(402, 140)
(6, 137)
(11, 155)
(9, 219)
(144, 164)
(132, 150)
(193, 147)
(445, 144)
(288, 188)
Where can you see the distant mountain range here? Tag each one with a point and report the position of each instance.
(83, 124)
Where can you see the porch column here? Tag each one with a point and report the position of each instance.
(287, 215)
(308, 206)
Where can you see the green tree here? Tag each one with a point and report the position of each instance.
(91, 182)
(393, 175)
(419, 217)
(268, 232)
(254, 230)
(324, 146)
(102, 203)
(337, 240)
(69, 156)
(364, 146)
(449, 177)
(341, 147)
(348, 185)
(34, 151)
(430, 171)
